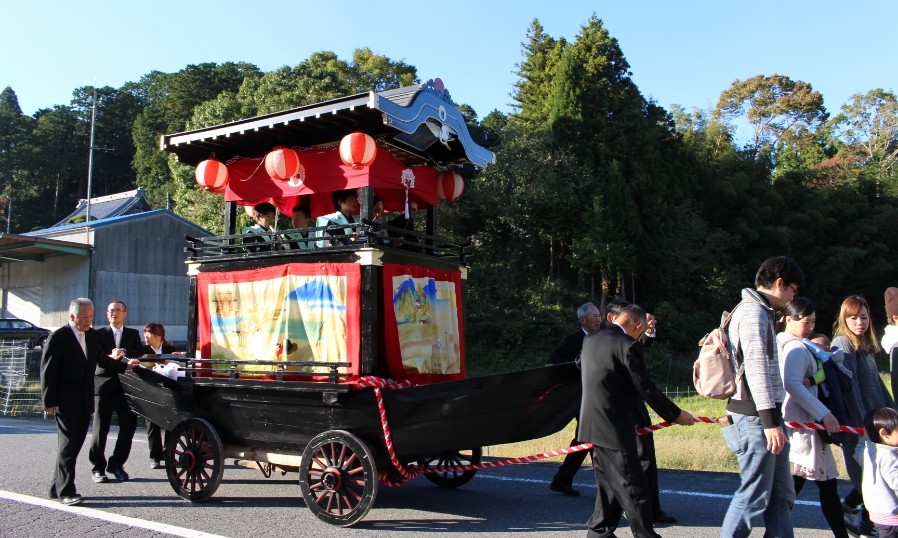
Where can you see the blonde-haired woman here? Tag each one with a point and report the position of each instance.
(854, 335)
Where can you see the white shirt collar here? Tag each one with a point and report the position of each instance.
(157, 350)
(619, 325)
(75, 329)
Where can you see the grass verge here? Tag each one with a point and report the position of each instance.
(694, 448)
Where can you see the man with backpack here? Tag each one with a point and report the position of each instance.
(753, 427)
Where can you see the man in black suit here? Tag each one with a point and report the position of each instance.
(645, 444)
(70, 358)
(119, 341)
(614, 378)
(568, 351)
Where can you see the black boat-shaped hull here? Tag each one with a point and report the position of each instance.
(424, 420)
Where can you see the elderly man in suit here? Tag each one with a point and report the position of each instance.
(70, 358)
(118, 341)
(614, 377)
(568, 351)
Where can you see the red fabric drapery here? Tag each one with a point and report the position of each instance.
(324, 173)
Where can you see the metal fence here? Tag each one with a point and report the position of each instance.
(677, 392)
(20, 381)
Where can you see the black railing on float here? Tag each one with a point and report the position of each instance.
(191, 367)
(363, 235)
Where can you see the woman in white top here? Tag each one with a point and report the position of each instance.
(809, 456)
(156, 344)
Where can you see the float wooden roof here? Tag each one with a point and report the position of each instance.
(406, 120)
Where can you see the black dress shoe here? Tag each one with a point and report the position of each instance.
(155, 464)
(99, 477)
(567, 490)
(120, 474)
(71, 500)
(663, 517)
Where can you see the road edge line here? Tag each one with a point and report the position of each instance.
(110, 517)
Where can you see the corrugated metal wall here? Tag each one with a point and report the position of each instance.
(138, 260)
(141, 261)
(59, 280)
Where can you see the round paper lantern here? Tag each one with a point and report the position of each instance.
(248, 209)
(358, 150)
(450, 186)
(281, 163)
(212, 175)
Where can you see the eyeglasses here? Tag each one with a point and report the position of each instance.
(794, 289)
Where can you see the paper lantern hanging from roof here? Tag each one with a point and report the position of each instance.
(212, 175)
(281, 163)
(450, 186)
(358, 150)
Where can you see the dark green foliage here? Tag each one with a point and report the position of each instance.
(597, 191)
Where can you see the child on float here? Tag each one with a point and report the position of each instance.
(878, 455)
(855, 336)
(810, 457)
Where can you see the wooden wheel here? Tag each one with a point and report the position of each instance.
(452, 479)
(338, 478)
(194, 460)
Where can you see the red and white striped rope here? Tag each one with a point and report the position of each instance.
(413, 471)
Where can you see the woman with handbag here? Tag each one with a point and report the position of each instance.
(810, 457)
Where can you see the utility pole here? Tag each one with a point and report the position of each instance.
(90, 160)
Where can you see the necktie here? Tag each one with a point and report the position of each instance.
(118, 337)
(83, 344)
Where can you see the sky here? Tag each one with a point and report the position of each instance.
(683, 52)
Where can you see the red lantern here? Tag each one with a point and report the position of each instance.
(357, 150)
(212, 175)
(450, 186)
(282, 163)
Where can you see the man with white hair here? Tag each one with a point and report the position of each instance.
(568, 351)
(70, 358)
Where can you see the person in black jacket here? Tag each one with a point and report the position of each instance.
(118, 341)
(614, 378)
(568, 351)
(71, 355)
(156, 344)
(645, 444)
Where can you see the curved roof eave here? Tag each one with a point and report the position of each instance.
(384, 115)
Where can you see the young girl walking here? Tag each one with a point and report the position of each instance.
(810, 458)
(855, 336)
(879, 457)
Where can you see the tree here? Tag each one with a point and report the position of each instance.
(15, 132)
(868, 125)
(169, 102)
(774, 106)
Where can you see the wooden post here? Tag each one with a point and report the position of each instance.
(192, 318)
(366, 203)
(368, 322)
(230, 222)
(431, 228)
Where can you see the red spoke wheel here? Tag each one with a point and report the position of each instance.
(338, 478)
(452, 479)
(194, 460)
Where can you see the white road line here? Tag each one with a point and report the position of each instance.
(666, 491)
(107, 516)
(113, 437)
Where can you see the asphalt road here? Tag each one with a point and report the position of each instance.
(508, 501)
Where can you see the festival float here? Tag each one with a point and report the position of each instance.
(343, 361)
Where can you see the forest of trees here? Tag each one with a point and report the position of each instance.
(597, 191)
